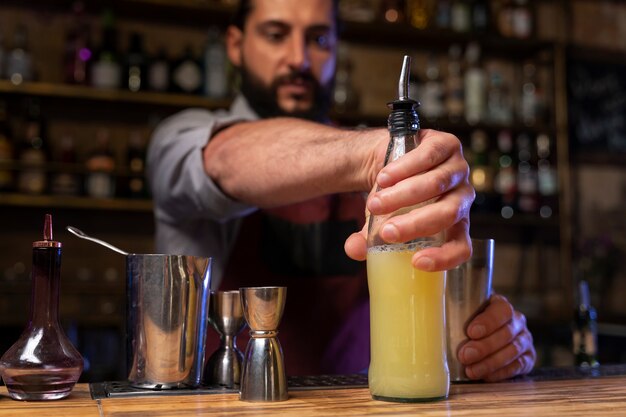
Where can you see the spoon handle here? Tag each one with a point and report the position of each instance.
(79, 233)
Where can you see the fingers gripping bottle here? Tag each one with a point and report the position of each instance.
(407, 319)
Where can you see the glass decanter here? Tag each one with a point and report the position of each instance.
(43, 364)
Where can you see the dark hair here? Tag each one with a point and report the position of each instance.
(245, 7)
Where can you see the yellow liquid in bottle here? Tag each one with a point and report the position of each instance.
(408, 345)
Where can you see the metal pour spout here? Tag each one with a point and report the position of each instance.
(403, 83)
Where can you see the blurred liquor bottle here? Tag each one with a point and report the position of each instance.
(19, 65)
(481, 16)
(136, 160)
(499, 102)
(514, 18)
(159, 72)
(585, 333)
(187, 73)
(66, 179)
(419, 13)
(100, 165)
(481, 171)
(33, 152)
(443, 14)
(106, 69)
(455, 104)
(432, 94)
(526, 175)
(505, 181)
(215, 65)
(475, 85)
(135, 68)
(357, 10)
(522, 19)
(461, 16)
(6, 150)
(528, 98)
(345, 95)
(547, 177)
(78, 50)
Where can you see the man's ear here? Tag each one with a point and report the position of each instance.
(234, 44)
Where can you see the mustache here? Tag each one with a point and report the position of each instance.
(295, 76)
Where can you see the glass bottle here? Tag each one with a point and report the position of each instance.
(499, 103)
(455, 101)
(527, 198)
(215, 65)
(433, 91)
(33, 152)
(100, 164)
(106, 69)
(585, 330)
(19, 65)
(159, 72)
(481, 175)
(547, 177)
(528, 100)
(187, 73)
(474, 85)
(407, 318)
(419, 13)
(136, 160)
(505, 181)
(136, 64)
(66, 180)
(461, 18)
(78, 51)
(42, 364)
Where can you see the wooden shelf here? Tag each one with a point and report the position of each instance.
(403, 35)
(85, 93)
(380, 120)
(70, 202)
(616, 159)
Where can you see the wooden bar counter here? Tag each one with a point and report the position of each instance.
(603, 395)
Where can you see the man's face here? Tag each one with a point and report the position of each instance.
(286, 54)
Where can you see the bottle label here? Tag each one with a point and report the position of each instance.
(106, 74)
(158, 76)
(187, 76)
(100, 185)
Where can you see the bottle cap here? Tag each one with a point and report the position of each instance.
(47, 241)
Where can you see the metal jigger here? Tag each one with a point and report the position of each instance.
(263, 377)
(226, 316)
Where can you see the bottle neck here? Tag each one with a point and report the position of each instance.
(45, 293)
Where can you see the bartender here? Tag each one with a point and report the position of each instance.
(274, 194)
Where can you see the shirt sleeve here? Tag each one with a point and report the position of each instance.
(181, 189)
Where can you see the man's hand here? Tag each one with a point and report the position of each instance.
(500, 344)
(436, 169)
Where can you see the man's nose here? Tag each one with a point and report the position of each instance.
(298, 54)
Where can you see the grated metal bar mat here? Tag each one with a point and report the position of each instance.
(116, 389)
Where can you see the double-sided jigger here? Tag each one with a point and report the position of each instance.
(226, 317)
(263, 377)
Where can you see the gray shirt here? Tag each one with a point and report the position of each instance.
(192, 215)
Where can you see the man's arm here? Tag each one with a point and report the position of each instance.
(279, 161)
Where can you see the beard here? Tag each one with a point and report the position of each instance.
(263, 99)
